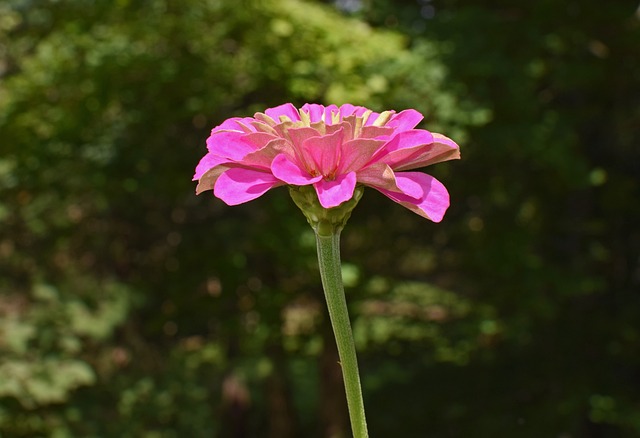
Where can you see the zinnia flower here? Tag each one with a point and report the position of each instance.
(332, 148)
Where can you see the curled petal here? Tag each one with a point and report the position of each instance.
(208, 180)
(404, 146)
(371, 119)
(239, 185)
(207, 162)
(335, 192)
(445, 140)
(228, 125)
(360, 111)
(263, 118)
(239, 124)
(287, 110)
(432, 202)
(408, 141)
(231, 145)
(286, 170)
(380, 119)
(442, 149)
(331, 115)
(346, 126)
(260, 126)
(405, 120)
(314, 110)
(347, 110)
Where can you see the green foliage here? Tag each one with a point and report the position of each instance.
(47, 338)
(131, 307)
(546, 234)
(416, 313)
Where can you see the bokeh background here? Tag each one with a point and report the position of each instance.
(129, 307)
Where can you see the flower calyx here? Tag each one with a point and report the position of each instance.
(324, 221)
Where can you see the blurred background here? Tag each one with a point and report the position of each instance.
(129, 307)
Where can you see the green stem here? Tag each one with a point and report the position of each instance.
(331, 274)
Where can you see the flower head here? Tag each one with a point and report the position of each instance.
(330, 148)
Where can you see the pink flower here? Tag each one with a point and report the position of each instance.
(332, 148)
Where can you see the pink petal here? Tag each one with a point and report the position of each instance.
(228, 144)
(258, 139)
(328, 114)
(372, 118)
(437, 152)
(209, 178)
(404, 146)
(405, 120)
(439, 138)
(233, 124)
(345, 126)
(352, 127)
(347, 110)
(263, 118)
(299, 135)
(376, 132)
(207, 162)
(287, 110)
(442, 149)
(355, 154)
(378, 176)
(410, 186)
(259, 126)
(314, 110)
(286, 170)
(434, 200)
(239, 185)
(335, 192)
(381, 177)
(359, 111)
(325, 151)
(262, 158)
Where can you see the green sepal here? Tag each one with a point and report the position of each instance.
(324, 221)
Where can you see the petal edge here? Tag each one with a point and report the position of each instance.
(238, 185)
